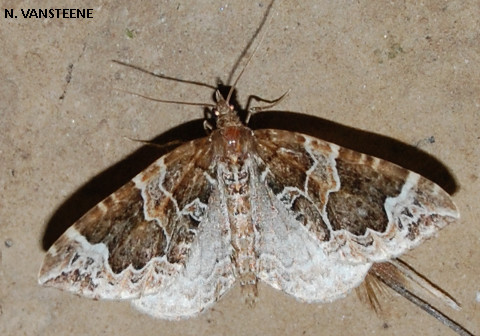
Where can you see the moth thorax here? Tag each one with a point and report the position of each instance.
(236, 142)
(228, 119)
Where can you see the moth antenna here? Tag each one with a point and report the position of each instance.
(232, 88)
(185, 81)
(250, 42)
(167, 101)
(399, 279)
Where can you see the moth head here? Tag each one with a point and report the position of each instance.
(222, 107)
(224, 113)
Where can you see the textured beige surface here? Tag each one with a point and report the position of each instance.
(386, 78)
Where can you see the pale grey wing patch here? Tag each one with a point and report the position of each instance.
(207, 275)
(293, 260)
(365, 209)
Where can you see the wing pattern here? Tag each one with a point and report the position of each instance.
(361, 208)
(136, 240)
(318, 216)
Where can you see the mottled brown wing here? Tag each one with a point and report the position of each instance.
(359, 208)
(128, 244)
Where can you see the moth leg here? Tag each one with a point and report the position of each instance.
(404, 280)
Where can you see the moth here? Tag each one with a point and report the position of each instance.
(307, 217)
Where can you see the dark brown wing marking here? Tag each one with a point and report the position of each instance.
(127, 244)
(177, 196)
(119, 223)
(366, 182)
(288, 166)
(365, 208)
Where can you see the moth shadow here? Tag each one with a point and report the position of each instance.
(381, 146)
(108, 181)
